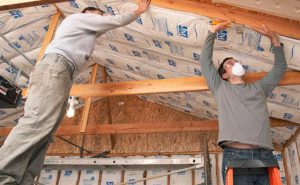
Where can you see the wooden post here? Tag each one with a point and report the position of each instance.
(194, 175)
(217, 169)
(207, 170)
(88, 102)
(106, 100)
(286, 172)
(108, 111)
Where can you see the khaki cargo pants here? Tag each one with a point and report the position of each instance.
(23, 152)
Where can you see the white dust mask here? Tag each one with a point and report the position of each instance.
(238, 69)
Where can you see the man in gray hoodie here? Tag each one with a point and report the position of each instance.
(23, 152)
(244, 126)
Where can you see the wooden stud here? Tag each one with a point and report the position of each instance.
(193, 177)
(78, 177)
(145, 174)
(88, 102)
(107, 103)
(207, 167)
(108, 111)
(100, 177)
(169, 178)
(122, 176)
(287, 175)
(217, 169)
(58, 177)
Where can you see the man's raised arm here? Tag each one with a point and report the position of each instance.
(270, 81)
(207, 67)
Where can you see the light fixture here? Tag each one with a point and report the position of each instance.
(72, 102)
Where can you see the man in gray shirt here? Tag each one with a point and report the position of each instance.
(244, 127)
(23, 152)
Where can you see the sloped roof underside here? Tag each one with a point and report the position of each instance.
(162, 43)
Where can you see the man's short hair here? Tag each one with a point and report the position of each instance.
(92, 9)
(221, 69)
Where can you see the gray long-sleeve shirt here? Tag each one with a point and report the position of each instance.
(76, 36)
(242, 108)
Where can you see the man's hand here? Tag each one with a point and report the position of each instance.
(143, 6)
(264, 30)
(221, 26)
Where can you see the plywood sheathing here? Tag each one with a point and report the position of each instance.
(134, 110)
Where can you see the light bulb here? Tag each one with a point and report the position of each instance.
(72, 102)
(71, 112)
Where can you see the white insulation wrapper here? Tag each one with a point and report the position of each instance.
(48, 177)
(111, 177)
(68, 176)
(157, 171)
(89, 177)
(200, 176)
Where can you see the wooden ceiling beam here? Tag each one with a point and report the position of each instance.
(143, 128)
(186, 84)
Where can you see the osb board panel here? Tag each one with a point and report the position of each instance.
(134, 110)
(151, 143)
(59, 146)
(139, 143)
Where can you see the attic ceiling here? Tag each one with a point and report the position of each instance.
(161, 44)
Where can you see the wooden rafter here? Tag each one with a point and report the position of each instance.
(49, 35)
(142, 128)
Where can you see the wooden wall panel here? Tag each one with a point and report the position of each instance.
(134, 110)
